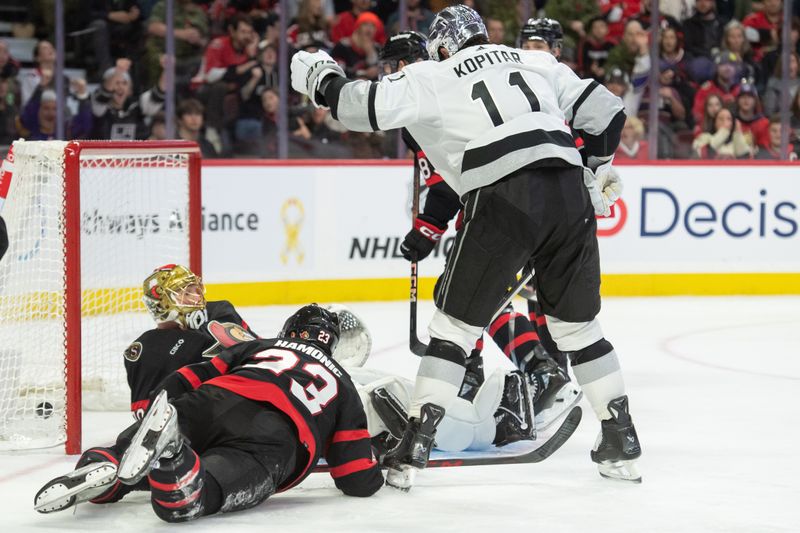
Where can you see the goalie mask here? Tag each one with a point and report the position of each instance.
(173, 293)
(313, 324)
(452, 27)
(355, 340)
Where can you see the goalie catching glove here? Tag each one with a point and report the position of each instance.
(309, 71)
(420, 241)
(603, 183)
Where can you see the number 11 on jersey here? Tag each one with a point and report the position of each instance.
(481, 92)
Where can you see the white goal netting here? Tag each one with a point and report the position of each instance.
(133, 217)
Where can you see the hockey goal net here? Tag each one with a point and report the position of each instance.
(87, 222)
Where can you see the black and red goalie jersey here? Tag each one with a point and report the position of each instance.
(163, 350)
(312, 389)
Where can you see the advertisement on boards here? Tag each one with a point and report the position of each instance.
(302, 222)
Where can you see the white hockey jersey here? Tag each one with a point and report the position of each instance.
(483, 113)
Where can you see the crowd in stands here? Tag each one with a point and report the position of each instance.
(719, 70)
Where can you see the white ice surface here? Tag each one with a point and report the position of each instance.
(714, 386)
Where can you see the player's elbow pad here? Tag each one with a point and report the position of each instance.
(606, 143)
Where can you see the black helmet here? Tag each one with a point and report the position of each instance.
(313, 324)
(408, 46)
(547, 30)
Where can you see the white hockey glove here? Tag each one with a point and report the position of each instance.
(308, 71)
(603, 183)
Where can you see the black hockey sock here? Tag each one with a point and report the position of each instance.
(537, 318)
(178, 487)
(515, 335)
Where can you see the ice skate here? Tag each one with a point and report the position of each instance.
(552, 391)
(514, 417)
(617, 446)
(80, 485)
(414, 449)
(158, 436)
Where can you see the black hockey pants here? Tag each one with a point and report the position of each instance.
(539, 215)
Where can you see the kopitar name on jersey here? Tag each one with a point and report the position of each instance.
(471, 64)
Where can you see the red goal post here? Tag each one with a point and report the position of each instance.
(87, 221)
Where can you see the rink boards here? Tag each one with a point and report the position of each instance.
(287, 233)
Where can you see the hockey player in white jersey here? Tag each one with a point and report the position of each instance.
(520, 337)
(495, 121)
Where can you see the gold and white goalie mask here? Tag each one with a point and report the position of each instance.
(173, 293)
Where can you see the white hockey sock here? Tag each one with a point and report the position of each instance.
(438, 382)
(601, 381)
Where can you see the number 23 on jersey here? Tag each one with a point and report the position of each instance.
(315, 399)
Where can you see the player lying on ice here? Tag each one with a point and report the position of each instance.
(496, 122)
(186, 330)
(500, 413)
(225, 434)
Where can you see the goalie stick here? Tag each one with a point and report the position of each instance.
(537, 455)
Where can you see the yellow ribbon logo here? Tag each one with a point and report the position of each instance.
(292, 214)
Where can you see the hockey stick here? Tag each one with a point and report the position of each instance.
(548, 448)
(416, 346)
(537, 455)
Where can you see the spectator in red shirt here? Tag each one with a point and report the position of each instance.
(762, 28)
(632, 147)
(346, 22)
(226, 66)
(755, 125)
(357, 54)
(728, 66)
(617, 13)
(225, 53)
(711, 107)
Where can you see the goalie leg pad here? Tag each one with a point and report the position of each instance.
(471, 425)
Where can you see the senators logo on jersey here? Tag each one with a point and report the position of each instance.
(133, 352)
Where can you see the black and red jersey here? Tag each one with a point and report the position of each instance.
(312, 389)
(159, 352)
(441, 203)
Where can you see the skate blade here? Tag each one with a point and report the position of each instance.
(401, 477)
(57, 495)
(146, 446)
(563, 405)
(620, 471)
